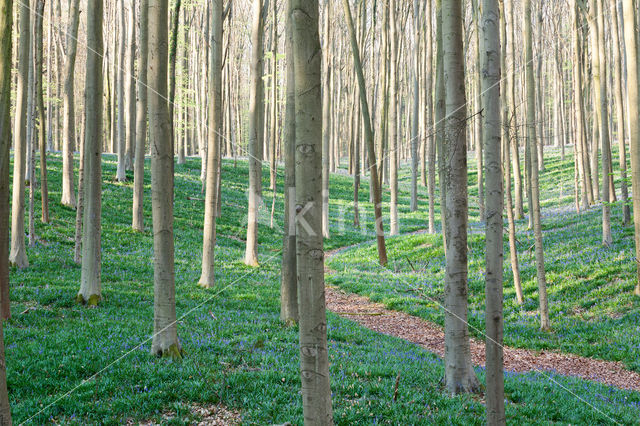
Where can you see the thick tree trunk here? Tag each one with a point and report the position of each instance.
(289, 281)
(207, 278)
(375, 184)
(535, 189)
(141, 120)
(459, 374)
(18, 254)
(492, 129)
(256, 134)
(69, 114)
(165, 331)
(90, 283)
(314, 360)
(631, 47)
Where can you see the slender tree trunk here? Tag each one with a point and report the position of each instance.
(393, 117)
(121, 174)
(579, 105)
(42, 138)
(77, 250)
(440, 113)
(165, 330)
(415, 113)
(274, 98)
(602, 114)
(375, 184)
(535, 189)
(130, 87)
(141, 120)
(289, 281)
(314, 360)
(492, 129)
(620, 111)
(68, 100)
(90, 283)
(18, 253)
(6, 26)
(173, 54)
(511, 81)
(477, 121)
(326, 119)
(256, 134)
(459, 374)
(631, 47)
(207, 278)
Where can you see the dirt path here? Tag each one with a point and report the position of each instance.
(430, 336)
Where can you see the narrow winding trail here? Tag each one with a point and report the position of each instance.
(430, 336)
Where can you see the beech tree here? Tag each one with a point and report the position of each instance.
(165, 330)
(459, 374)
(492, 137)
(68, 99)
(18, 253)
(256, 135)
(314, 359)
(207, 278)
(90, 278)
(532, 142)
(141, 120)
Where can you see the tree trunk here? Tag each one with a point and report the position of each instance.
(90, 283)
(289, 282)
(440, 113)
(207, 278)
(256, 134)
(415, 113)
(477, 121)
(6, 24)
(375, 184)
(459, 374)
(77, 250)
(314, 360)
(274, 97)
(42, 138)
(326, 118)
(18, 254)
(631, 47)
(535, 189)
(141, 120)
(173, 54)
(121, 174)
(620, 111)
(492, 129)
(68, 100)
(393, 117)
(130, 89)
(579, 105)
(165, 331)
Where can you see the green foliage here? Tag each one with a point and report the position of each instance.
(238, 353)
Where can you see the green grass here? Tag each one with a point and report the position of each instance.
(237, 351)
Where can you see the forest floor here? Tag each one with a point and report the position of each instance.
(70, 365)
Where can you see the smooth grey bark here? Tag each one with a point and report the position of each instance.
(415, 113)
(579, 106)
(165, 331)
(141, 120)
(459, 374)
(256, 134)
(535, 189)
(68, 101)
(39, 99)
(492, 137)
(439, 118)
(90, 280)
(477, 121)
(6, 26)
(368, 133)
(326, 118)
(289, 281)
(207, 277)
(130, 88)
(121, 174)
(314, 359)
(18, 253)
(393, 117)
(631, 48)
(620, 110)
